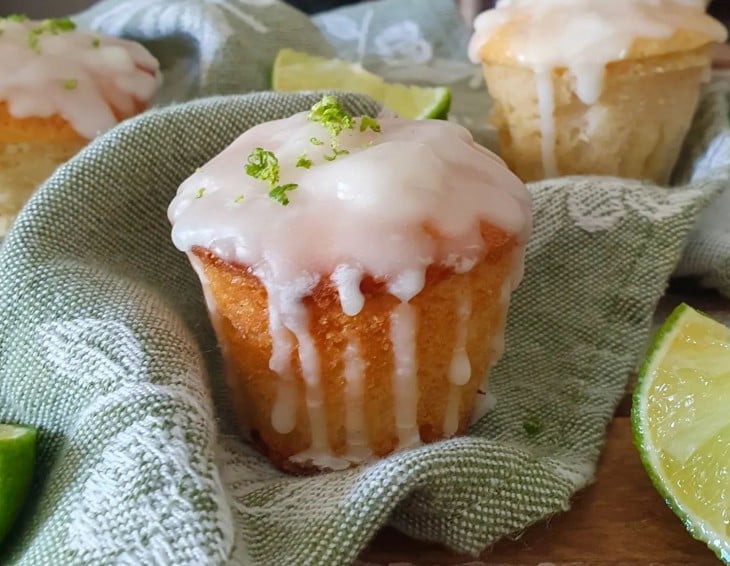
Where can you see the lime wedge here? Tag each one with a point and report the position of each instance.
(17, 459)
(294, 70)
(681, 423)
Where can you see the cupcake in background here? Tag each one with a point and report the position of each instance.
(59, 88)
(592, 86)
(357, 274)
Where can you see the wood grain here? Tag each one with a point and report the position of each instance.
(619, 520)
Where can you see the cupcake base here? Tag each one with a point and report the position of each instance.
(23, 167)
(635, 130)
(364, 400)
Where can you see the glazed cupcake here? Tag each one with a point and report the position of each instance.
(357, 274)
(594, 86)
(59, 88)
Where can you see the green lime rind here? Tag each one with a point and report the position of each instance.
(297, 71)
(662, 340)
(17, 462)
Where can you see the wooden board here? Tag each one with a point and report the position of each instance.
(620, 519)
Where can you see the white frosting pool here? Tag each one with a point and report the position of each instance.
(86, 78)
(583, 36)
(389, 206)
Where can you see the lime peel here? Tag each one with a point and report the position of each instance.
(681, 425)
(17, 460)
(295, 71)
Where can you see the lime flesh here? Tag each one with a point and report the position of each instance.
(681, 423)
(17, 460)
(295, 71)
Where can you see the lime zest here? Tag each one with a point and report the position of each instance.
(303, 161)
(264, 165)
(279, 192)
(331, 115)
(366, 122)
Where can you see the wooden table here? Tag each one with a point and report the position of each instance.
(620, 519)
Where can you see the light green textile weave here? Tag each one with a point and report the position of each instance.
(107, 349)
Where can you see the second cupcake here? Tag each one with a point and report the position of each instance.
(594, 86)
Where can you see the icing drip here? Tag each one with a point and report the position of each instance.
(288, 316)
(87, 79)
(283, 414)
(459, 368)
(485, 402)
(357, 443)
(583, 36)
(347, 279)
(546, 106)
(403, 325)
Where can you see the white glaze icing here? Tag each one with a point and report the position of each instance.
(357, 449)
(583, 36)
(347, 280)
(549, 34)
(283, 415)
(460, 366)
(485, 402)
(403, 327)
(86, 78)
(546, 107)
(364, 213)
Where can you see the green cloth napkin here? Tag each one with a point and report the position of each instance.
(106, 346)
(707, 255)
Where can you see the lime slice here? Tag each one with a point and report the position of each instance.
(681, 423)
(17, 459)
(294, 70)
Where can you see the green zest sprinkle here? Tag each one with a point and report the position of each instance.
(56, 25)
(53, 26)
(200, 192)
(532, 426)
(264, 165)
(238, 199)
(33, 41)
(95, 43)
(336, 153)
(16, 18)
(315, 141)
(331, 115)
(304, 162)
(366, 122)
(70, 84)
(279, 193)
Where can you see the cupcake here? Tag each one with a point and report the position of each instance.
(594, 86)
(60, 87)
(357, 273)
